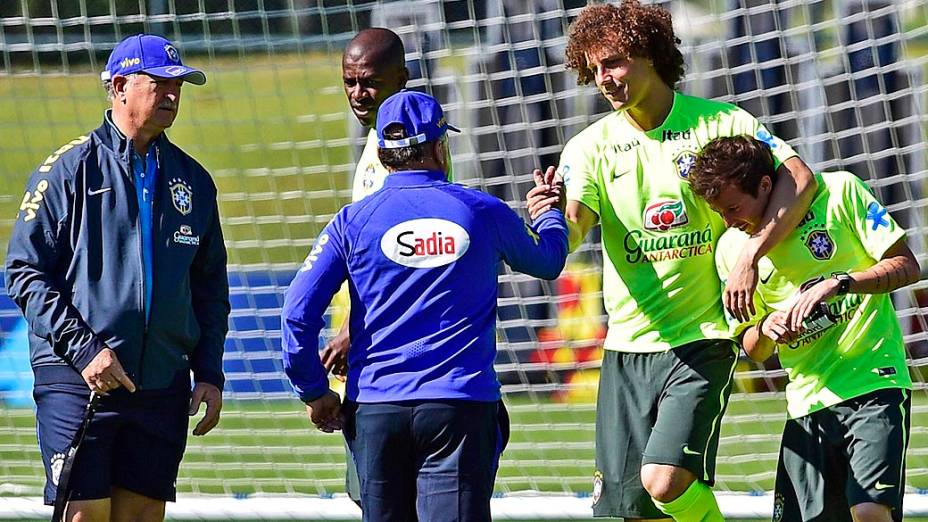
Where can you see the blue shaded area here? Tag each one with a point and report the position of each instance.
(15, 373)
(252, 361)
(252, 349)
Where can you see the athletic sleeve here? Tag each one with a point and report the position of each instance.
(539, 250)
(578, 169)
(305, 302)
(726, 254)
(870, 220)
(209, 286)
(36, 254)
(750, 125)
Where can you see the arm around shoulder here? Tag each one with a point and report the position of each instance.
(792, 195)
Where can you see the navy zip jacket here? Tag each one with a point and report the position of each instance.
(422, 257)
(74, 265)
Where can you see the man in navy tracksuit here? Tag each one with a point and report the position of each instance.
(118, 263)
(421, 256)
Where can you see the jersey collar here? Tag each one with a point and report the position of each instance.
(414, 177)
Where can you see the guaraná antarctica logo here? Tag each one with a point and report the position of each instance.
(653, 244)
(665, 215)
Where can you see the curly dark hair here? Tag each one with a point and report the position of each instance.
(736, 160)
(632, 29)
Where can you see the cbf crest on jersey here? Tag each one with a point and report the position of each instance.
(684, 162)
(597, 486)
(820, 244)
(181, 196)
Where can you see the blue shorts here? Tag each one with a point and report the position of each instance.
(434, 459)
(135, 441)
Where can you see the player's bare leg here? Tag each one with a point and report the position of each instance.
(133, 507)
(676, 492)
(665, 483)
(871, 512)
(88, 510)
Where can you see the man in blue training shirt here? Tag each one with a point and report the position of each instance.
(421, 256)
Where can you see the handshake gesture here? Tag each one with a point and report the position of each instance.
(548, 193)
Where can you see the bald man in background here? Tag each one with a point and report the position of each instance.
(373, 69)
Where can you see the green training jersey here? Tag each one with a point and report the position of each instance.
(369, 174)
(845, 230)
(659, 283)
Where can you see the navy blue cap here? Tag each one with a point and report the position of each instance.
(150, 54)
(418, 113)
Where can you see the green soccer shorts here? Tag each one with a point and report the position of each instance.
(848, 454)
(658, 408)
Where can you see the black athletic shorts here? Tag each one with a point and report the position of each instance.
(135, 441)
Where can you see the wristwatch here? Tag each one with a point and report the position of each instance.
(844, 282)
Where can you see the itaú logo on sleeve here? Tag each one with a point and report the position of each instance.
(425, 243)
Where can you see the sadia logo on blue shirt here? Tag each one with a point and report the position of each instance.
(425, 243)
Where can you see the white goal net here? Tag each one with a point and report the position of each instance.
(844, 81)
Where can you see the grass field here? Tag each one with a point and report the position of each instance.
(266, 448)
(271, 130)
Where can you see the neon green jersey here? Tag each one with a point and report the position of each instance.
(369, 174)
(659, 283)
(846, 230)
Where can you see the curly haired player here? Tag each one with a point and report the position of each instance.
(666, 373)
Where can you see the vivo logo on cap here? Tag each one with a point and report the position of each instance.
(425, 243)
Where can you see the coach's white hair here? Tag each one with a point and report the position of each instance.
(108, 88)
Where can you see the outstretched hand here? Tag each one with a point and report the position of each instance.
(547, 194)
(776, 327)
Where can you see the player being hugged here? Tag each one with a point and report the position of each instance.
(421, 256)
(823, 305)
(666, 373)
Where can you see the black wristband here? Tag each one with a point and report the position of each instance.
(844, 282)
